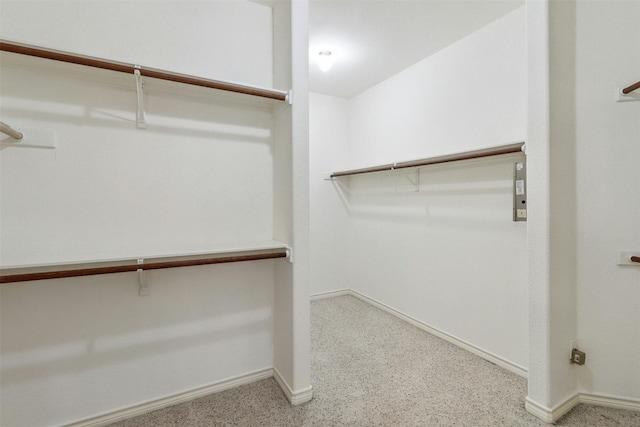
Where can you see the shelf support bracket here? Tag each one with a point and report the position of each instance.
(143, 289)
(140, 121)
(416, 183)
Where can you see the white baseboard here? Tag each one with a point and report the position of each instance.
(540, 411)
(552, 415)
(331, 294)
(301, 396)
(503, 363)
(143, 408)
(610, 401)
(294, 397)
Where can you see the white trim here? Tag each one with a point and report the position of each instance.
(537, 410)
(305, 395)
(294, 397)
(331, 294)
(534, 408)
(564, 407)
(493, 358)
(552, 415)
(145, 407)
(610, 401)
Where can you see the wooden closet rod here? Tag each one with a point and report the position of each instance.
(631, 88)
(122, 67)
(467, 155)
(133, 266)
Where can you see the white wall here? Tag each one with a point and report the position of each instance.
(466, 96)
(109, 189)
(583, 162)
(200, 176)
(608, 202)
(407, 248)
(210, 38)
(328, 151)
(135, 168)
(76, 348)
(292, 345)
(552, 226)
(448, 255)
(538, 164)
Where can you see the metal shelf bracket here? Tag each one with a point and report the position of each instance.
(416, 183)
(143, 288)
(140, 120)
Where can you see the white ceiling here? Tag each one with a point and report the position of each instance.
(371, 40)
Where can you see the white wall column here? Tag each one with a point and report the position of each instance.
(552, 199)
(292, 341)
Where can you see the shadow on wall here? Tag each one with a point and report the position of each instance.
(69, 326)
(67, 94)
(201, 172)
(461, 195)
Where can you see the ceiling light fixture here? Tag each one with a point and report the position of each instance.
(324, 60)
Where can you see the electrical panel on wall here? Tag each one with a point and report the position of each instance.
(520, 191)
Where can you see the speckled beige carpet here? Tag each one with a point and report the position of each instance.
(371, 369)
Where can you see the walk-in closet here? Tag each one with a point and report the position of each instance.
(181, 180)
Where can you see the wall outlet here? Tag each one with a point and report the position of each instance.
(578, 357)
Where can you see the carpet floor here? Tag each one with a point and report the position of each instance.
(370, 368)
